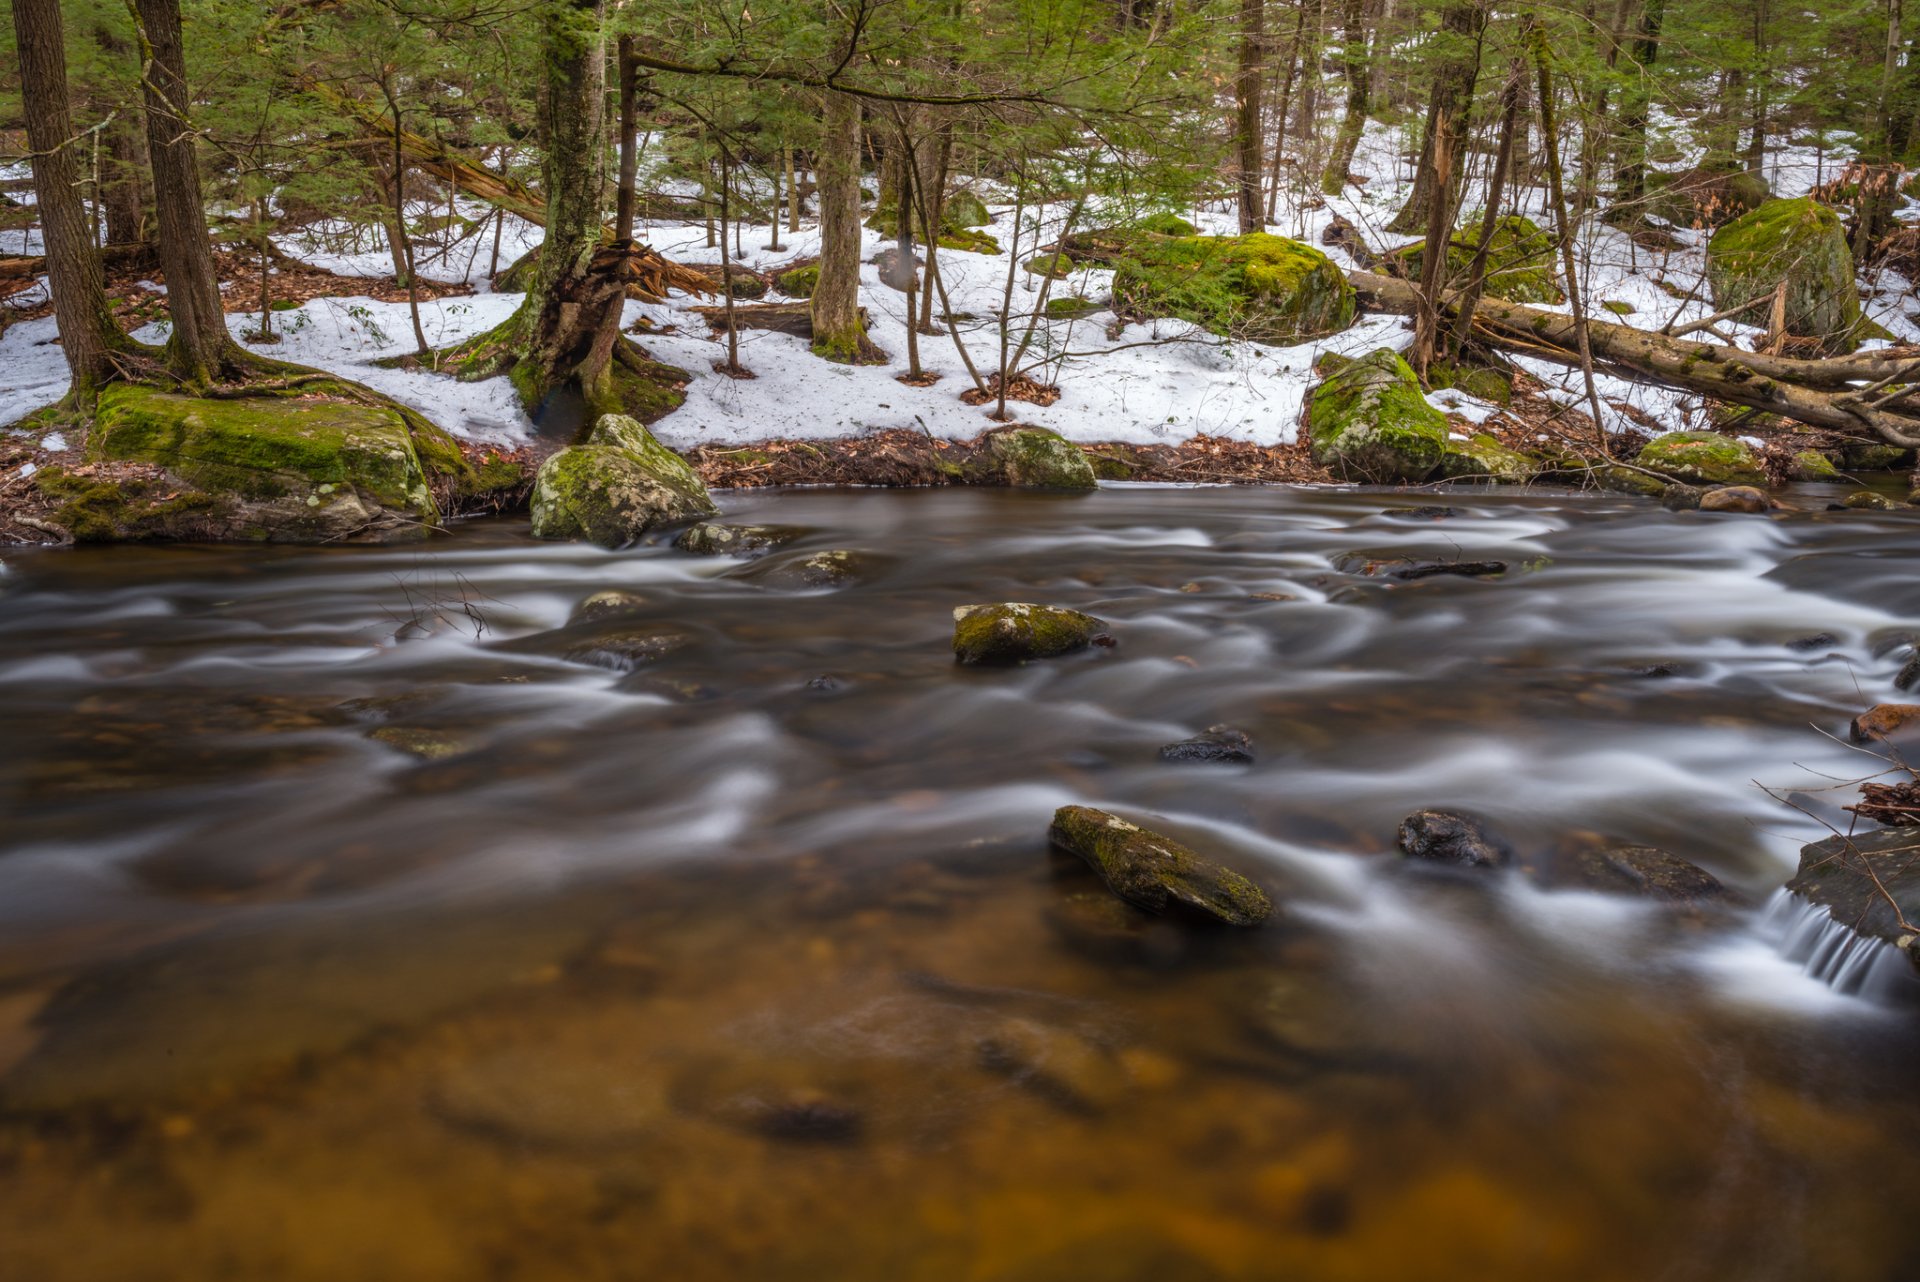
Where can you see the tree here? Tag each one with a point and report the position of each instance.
(1249, 138)
(839, 333)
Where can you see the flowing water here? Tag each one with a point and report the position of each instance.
(363, 918)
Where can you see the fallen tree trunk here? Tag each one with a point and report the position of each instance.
(782, 318)
(1863, 392)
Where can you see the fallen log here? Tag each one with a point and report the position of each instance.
(1867, 391)
(782, 318)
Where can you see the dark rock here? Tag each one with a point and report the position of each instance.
(710, 538)
(1657, 670)
(1013, 632)
(606, 605)
(1450, 837)
(1869, 883)
(1462, 569)
(827, 683)
(625, 651)
(1426, 513)
(1818, 641)
(1735, 498)
(1219, 743)
(1643, 870)
(1155, 872)
(1909, 674)
(1680, 497)
(833, 568)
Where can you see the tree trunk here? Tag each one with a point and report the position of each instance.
(1353, 64)
(1248, 142)
(1511, 100)
(1451, 100)
(629, 72)
(1630, 178)
(838, 333)
(88, 337)
(199, 350)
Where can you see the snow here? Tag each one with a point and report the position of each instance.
(1160, 382)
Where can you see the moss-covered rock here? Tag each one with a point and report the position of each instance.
(1868, 501)
(1034, 458)
(1071, 307)
(964, 209)
(1016, 631)
(1812, 465)
(710, 538)
(1630, 480)
(1803, 244)
(1702, 458)
(1520, 262)
(1481, 382)
(1155, 872)
(1706, 196)
(1747, 499)
(618, 485)
(1262, 287)
(272, 468)
(1869, 456)
(1483, 457)
(798, 282)
(969, 240)
(1370, 422)
(1058, 266)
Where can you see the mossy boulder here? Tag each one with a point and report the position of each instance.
(1705, 196)
(614, 488)
(1154, 872)
(964, 209)
(1802, 244)
(1520, 262)
(1034, 458)
(710, 538)
(1702, 458)
(1482, 382)
(1870, 456)
(268, 468)
(1368, 421)
(1482, 457)
(1072, 307)
(969, 240)
(1016, 631)
(1812, 465)
(1258, 286)
(798, 282)
(1057, 266)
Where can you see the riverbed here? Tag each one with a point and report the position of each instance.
(363, 917)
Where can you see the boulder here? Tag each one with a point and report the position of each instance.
(1369, 421)
(710, 538)
(1735, 498)
(617, 486)
(1869, 883)
(1520, 266)
(1867, 500)
(1482, 382)
(964, 209)
(607, 604)
(1812, 465)
(1702, 458)
(1645, 871)
(1258, 286)
(627, 649)
(1218, 743)
(1706, 196)
(1155, 872)
(1452, 837)
(1034, 458)
(1482, 457)
(1802, 244)
(256, 468)
(798, 282)
(1014, 632)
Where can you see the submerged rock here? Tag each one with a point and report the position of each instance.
(1451, 837)
(1867, 500)
(625, 651)
(710, 538)
(1057, 1064)
(1112, 931)
(1646, 871)
(1013, 632)
(1736, 498)
(1369, 421)
(1702, 458)
(427, 743)
(1155, 872)
(1869, 883)
(617, 486)
(1217, 743)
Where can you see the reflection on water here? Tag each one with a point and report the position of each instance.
(716, 936)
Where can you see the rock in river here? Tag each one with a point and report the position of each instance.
(1015, 631)
(1869, 883)
(1646, 871)
(1219, 743)
(614, 488)
(1155, 872)
(711, 538)
(1885, 721)
(1450, 837)
(1735, 498)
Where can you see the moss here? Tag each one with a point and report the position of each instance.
(1702, 458)
(1370, 422)
(620, 484)
(964, 210)
(1058, 266)
(1479, 381)
(798, 282)
(1155, 872)
(1520, 263)
(1801, 244)
(1619, 308)
(1034, 458)
(1164, 224)
(999, 635)
(106, 510)
(1630, 480)
(1257, 286)
(1071, 307)
(1483, 457)
(1812, 465)
(968, 240)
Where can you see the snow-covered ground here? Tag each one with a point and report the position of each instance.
(1158, 382)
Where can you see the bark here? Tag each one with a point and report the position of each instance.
(1448, 105)
(629, 72)
(199, 350)
(88, 337)
(1248, 142)
(838, 332)
(1510, 103)
(1353, 65)
(1838, 393)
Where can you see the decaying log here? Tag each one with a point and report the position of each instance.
(782, 318)
(1862, 392)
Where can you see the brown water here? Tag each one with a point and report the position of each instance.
(698, 971)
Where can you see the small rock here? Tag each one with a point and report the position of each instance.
(1818, 641)
(1909, 674)
(1462, 569)
(827, 683)
(1450, 837)
(1657, 670)
(1869, 501)
(1735, 498)
(424, 743)
(1885, 721)
(1218, 743)
(1155, 872)
(1680, 497)
(606, 605)
(710, 538)
(995, 635)
(1057, 1064)
(1426, 513)
(1644, 870)
(625, 651)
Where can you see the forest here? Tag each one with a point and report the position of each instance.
(959, 640)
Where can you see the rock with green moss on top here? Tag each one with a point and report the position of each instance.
(1057, 266)
(1520, 262)
(259, 468)
(1812, 465)
(964, 209)
(1157, 873)
(969, 240)
(1016, 631)
(1034, 458)
(798, 282)
(1799, 244)
(617, 486)
(1702, 458)
(1482, 382)
(1258, 286)
(1481, 457)
(1369, 421)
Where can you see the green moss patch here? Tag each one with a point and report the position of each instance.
(1702, 458)
(1520, 265)
(1801, 245)
(1258, 286)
